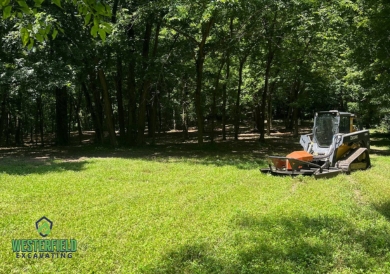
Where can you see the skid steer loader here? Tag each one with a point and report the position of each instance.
(334, 146)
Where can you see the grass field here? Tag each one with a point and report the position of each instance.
(213, 213)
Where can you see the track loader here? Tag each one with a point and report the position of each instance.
(334, 146)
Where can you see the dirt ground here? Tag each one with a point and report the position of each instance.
(168, 144)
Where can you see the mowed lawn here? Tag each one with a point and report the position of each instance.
(183, 215)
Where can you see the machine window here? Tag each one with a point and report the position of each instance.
(344, 124)
(325, 128)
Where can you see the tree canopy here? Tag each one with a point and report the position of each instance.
(124, 68)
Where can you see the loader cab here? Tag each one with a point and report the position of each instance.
(329, 123)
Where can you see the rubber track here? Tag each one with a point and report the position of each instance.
(344, 165)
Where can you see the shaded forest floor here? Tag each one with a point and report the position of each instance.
(171, 144)
(168, 144)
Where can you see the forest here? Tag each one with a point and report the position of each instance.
(131, 70)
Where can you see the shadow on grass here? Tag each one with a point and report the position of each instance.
(285, 245)
(380, 152)
(242, 154)
(245, 153)
(382, 141)
(377, 134)
(383, 209)
(189, 259)
(26, 167)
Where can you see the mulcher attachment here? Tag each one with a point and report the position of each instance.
(277, 166)
(357, 159)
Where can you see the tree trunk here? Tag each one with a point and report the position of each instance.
(78, 120)
(184, 93)
(269, 113)
(118, 80)
(62, 116)
(118, 84)
(269, 104)
(107, 108)
(3, 118)
(257, 116)
(119, 97)
(288, 123)
(114, 10)
(40, 117)
(132, 106)
(214, 112)
(198, 98)
(290, 113)
(270, 56)
(224, 99)
(98, 107)
(145, 85)
(142, 113)
(224, 88)
(153, 117)
(295, 119)
(8, 128)
(263, 96)
(70, 115)
(154, 94)
(214, 105)
(159, 119)
(237, 108)
(200, 58)
(19, 131)
(169, 112)
(94, 115)
(296, 109)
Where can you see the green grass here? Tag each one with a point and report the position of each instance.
(203, 215)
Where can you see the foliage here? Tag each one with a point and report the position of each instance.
(170, 65)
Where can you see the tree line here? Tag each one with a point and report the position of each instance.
(127, 67)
